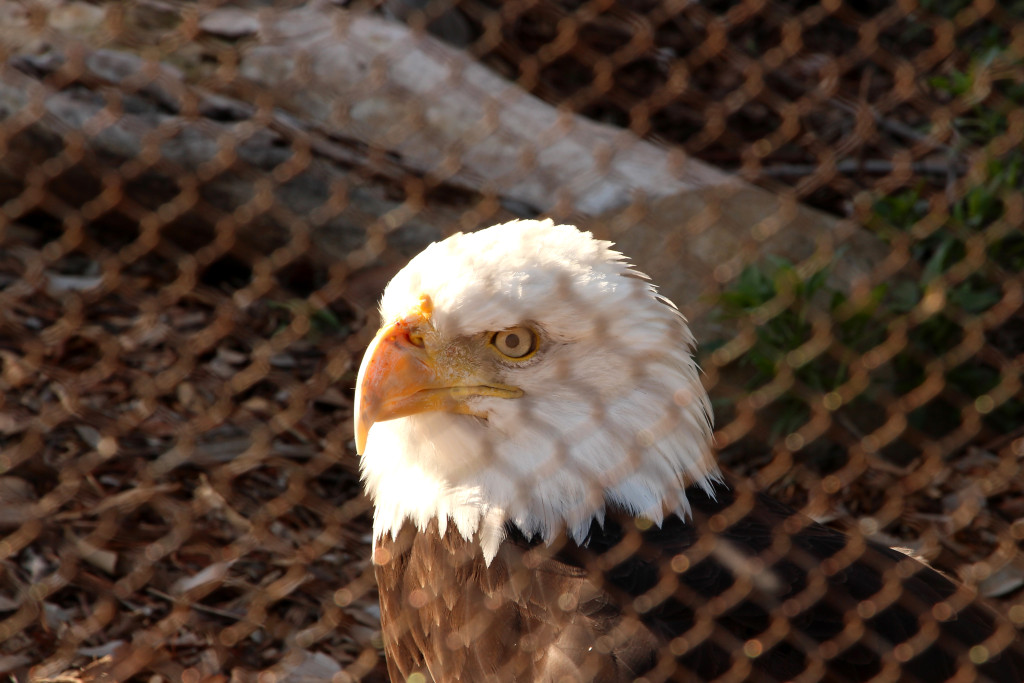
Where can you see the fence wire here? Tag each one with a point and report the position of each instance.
(200, 204)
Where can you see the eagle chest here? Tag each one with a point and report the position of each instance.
(449, 616)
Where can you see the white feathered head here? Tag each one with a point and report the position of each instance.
(526, 374)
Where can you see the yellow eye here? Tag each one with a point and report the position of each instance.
(515, 343)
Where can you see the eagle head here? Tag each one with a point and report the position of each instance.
(526, 374)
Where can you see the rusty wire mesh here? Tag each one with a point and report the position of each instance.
(201, 203)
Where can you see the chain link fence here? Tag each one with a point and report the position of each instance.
(201, 202)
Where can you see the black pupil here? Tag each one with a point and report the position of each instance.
(512, 340)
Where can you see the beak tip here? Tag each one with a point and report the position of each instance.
(361, 433)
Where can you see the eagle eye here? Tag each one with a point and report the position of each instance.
(515, 343)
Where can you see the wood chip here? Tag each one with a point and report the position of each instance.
(230, 23)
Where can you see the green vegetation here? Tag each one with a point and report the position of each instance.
(322, 321)
(965, 249)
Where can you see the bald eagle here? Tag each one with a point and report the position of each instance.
(547, 507)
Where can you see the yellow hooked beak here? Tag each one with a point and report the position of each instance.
(401, 376)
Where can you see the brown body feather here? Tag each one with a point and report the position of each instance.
(747, 590)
